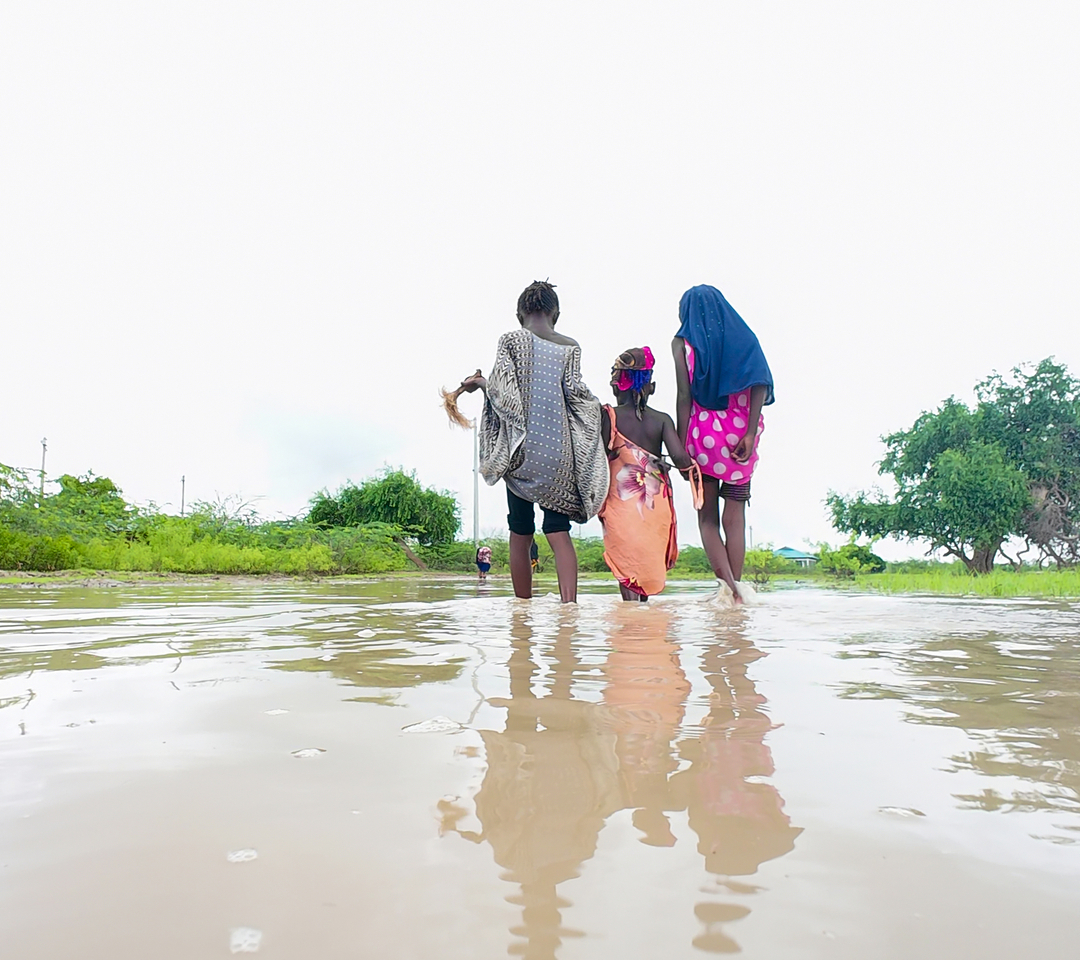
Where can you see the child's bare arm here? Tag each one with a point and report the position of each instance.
(675, 447)
(744, 449)
(682, 382)
(605, 433)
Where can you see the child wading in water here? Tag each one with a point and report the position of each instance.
(483, 561)
(540, 432)
(640, 536)
(724, 381)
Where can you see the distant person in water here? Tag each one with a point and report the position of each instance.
(723, 381)
(640, 534)
(540, 433)
(483, 562)
(534, 557)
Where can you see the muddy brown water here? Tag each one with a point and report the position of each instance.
(420, 769)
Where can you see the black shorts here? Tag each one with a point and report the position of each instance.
(735, 491)
(522, 518)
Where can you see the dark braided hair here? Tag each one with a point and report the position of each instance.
(538, 297)
(638, 392)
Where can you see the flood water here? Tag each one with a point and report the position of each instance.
(409, 769)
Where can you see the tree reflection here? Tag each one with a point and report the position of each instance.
(562, 766)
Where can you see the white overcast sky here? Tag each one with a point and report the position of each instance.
(247, 242)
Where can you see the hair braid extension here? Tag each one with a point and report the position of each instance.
(449, 402)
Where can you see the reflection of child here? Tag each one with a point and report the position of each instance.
(724, 381)
(540, 432)
(640, 543)
(483, 561)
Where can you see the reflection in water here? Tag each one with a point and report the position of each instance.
(740, 824)
(1016, 698)
(386, 666)
(562, 766)
(382, 659)
(645, 693)
(144, 733)
(551, 781)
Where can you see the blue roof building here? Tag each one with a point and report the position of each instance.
(801, 558)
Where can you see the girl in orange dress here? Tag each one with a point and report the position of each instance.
(640, 536)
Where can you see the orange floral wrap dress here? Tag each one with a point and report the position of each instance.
(640, 530)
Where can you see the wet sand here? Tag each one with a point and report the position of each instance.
(407, 769)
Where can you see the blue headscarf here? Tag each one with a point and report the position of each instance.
(727, 355)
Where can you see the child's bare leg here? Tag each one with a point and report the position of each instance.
(628, 594)
(521, 565)
(709, 526)
(565, 564)
(735, 535)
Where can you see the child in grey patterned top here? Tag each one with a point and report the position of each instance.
(540, 432)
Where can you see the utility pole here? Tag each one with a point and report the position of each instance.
(475, 484)
(41, 487)
(751, 538)
(182, 480)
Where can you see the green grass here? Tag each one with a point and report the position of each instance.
(172, 545)
(1000, 583)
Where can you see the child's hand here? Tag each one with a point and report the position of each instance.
(744, 449)
(476, 382)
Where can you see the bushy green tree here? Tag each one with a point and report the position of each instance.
(90, 501)
(760, 566)
(16, 489)
(692, 560)
(1034, 415)
(966, 503)
(849, 560)
(968, 479)
(395, 498)
(590, 552)
(84, 506)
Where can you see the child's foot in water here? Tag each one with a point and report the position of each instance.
(727, 594)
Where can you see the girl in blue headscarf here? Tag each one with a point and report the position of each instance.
(723, 381)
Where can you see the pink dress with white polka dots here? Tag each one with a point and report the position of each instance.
(713, 434)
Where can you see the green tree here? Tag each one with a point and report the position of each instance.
(16, 488)
(1034, 414)
(849, 560)
(967, 479)
(966, 503)
(83, 507)
(90, 501)
(395, 498)
(760, 565)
